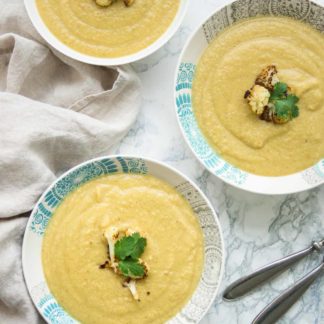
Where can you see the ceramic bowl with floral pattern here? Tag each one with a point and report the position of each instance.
(212, 271)
(303, 10)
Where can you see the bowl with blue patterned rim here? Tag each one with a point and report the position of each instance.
(213, 265)
(223, 17)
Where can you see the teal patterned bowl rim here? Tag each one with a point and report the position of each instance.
(213, 268)
(305, 10)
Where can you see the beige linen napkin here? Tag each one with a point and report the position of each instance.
(54, 114)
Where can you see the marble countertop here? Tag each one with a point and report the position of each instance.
(257, 229)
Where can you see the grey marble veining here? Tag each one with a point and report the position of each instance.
(257, 229)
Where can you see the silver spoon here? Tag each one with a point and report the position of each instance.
(271, 313)
(241, 286)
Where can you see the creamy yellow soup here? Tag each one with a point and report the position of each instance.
(112, 31)
(73, 248)
(228, 68)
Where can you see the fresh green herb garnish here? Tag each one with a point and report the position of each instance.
(131, 268)
(279, 91)
(285, 107)
(130, 246)
(124, 256)
(128, 250)
(271, 99)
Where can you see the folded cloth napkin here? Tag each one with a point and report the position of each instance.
(54, 114)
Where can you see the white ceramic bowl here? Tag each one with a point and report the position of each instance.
(42, 29)
(207, 288)
(225, 16)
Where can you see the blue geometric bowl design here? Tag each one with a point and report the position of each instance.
(46, 303)
(193, 133)
(53, 312)
(76, 178)
(304, 10)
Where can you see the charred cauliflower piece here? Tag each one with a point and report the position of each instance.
(258, 98)
(104, 3)
(146, 268)
(128, 3)
(112, 235)
(131, 285)
(268, 77)
(267, 113)
(280, 119)
(271, 99)
(107, 3)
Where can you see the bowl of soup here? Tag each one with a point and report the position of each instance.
(219, 65)
(165, 223)
(94, 32)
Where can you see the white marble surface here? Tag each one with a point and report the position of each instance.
(257, 229)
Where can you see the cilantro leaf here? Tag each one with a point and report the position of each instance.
(294, 111)
(279, 91)
(291, 101)
(130, 246)
(131, 268)
(287, 108)
(285, 105)
(282, 109)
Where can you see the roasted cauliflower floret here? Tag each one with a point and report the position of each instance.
(268, 77)
(107, 3)
(280, 120)
(128, 3)
(271, 99)
(112, 236)
(104, 3)
(146, 268)
(131, 285)
(270, 115)
(267, 113)
(258, 98)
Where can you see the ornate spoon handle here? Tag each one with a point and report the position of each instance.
(241, 286)
(283, 302)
